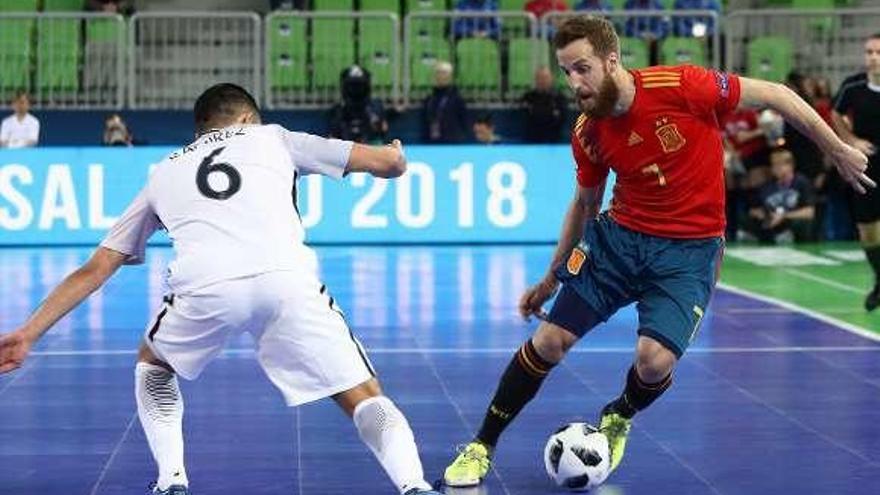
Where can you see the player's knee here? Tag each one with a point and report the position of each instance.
(654, 362)
(552, 342)
(146, 355)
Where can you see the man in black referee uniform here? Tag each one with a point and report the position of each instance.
(856, 117)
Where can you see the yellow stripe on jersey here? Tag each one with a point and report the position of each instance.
(660, 78)
(661, 85)
(579, 124)
(650, 73)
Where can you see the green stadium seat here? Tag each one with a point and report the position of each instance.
(509, 25)
(63, 5)
(820, 26)
(770, 58)
(329, 56)
(424, 54)
(18, 6)
(427, 27)
(58, 54)
(680, 51)
(375, 46)
(478, 67)
(100, 30)
(392, 6)
(288, 53)
(344, 5)
(15, 53)
(522, 60)
(634, 53)
(511, 5)
(101, 57)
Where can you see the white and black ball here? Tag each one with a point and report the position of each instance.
(577, 457)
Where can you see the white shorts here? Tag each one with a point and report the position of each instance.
(303, 342)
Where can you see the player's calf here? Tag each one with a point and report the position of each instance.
(385, 430)
(616, 417)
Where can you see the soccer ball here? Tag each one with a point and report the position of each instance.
(577, 457)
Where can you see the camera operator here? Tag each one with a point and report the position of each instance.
(358, 117)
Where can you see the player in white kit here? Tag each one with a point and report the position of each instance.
(240, 266)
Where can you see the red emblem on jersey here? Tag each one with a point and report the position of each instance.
(669, 136)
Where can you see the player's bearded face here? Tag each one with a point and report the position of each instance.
(600, 102)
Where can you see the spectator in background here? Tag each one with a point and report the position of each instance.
(123, 7)
(445, 113)
(358, 117)
(476, 27)
(696, 26)
(484, 130)
(786, 206)
(540, 7)
(822, 99)
(807, 155)
(651, 28)
(21, 129)
(746, 141)
(545, 109)
(116, 131)
(593, 6)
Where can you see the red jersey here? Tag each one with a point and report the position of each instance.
(666, 151)
(743, 120)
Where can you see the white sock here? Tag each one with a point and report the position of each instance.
(160, 408)
(385, 430)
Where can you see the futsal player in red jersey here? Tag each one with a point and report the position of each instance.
(660, 243)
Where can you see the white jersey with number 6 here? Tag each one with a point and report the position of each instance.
(228, 203)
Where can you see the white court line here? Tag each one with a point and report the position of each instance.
(782, 413)
(849, 327)
(824, 281)
(510, 350)
(113, 455)
(299, 449)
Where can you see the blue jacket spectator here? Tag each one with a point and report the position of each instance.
(476, 27)
(685, 26)
(594, 5)
(645, 27)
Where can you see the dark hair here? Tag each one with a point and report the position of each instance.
(875, 36)
(221, 103)
(778, 150)
(21, 94)
(485, 119)
(598, 31)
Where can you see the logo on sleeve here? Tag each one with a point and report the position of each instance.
(723, 82)
(669, 136)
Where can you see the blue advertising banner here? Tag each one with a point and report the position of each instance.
(449, 194)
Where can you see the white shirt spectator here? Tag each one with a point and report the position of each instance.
(19, 133)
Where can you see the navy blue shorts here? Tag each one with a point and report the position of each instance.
(671, 280)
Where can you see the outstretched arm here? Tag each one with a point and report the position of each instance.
(584, 206)
(380, 161)
(14, 347)
(850, 162)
